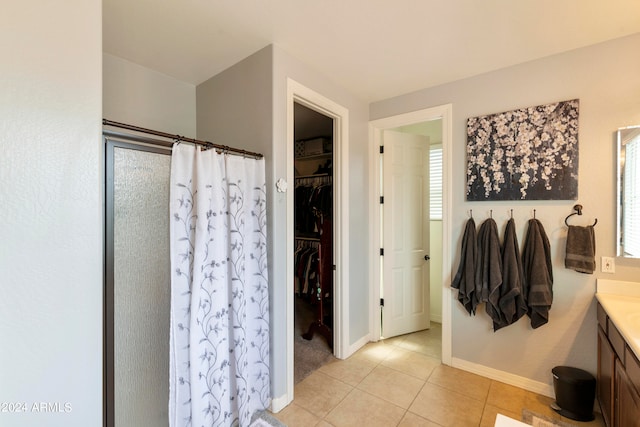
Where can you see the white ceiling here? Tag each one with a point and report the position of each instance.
(374, 48)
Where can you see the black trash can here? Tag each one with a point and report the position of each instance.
(575, 391)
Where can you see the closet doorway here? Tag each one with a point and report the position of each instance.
(313, 256)
(338, 306)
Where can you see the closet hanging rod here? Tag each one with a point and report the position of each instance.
(317, 175)
(179, 138)
(308, 239)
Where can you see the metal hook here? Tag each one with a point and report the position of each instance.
(511, 213)
(471, 213)
(534, 214)
(491, 213)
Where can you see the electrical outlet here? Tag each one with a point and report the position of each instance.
(608, 264)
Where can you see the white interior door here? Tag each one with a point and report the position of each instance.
(405, 233)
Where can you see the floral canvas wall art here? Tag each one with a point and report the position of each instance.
(525, 154)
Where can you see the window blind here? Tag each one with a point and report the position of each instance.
(435, 182)
(631, 209)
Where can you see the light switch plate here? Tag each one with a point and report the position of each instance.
(608, 264)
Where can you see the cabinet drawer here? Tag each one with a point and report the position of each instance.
(602, 318)
(616, 340)
(632, 366)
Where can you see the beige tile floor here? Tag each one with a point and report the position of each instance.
(401, 382)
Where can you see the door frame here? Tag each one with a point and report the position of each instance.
(376, 127)
(296, 92)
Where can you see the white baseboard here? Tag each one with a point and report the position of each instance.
(436, 318)
(279, 403)
(505, 377)
(358, 345)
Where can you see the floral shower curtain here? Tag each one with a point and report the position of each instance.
(219, 362)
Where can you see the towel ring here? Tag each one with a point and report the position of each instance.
(578, 211)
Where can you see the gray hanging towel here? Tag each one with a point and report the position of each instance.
(538, 273)
(581, 249)
(464, 281)
(489, 268)
(513, 303)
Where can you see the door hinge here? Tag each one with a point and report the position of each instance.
(382, 251)
(381, 149)
(381, 302)
(381, 200)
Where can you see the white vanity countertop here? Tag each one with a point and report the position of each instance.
(621, 301)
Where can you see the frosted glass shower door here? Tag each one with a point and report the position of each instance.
(138, 285)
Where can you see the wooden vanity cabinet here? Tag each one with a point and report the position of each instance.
(618, 378)
(606, 369)
(627, 404)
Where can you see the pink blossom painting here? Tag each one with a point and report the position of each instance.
(525, 154)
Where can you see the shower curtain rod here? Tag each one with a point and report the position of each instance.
(179, 138)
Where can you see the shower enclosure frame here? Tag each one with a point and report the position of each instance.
(113, 140)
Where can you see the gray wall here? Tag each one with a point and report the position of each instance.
(51, 198)
(143, 97)
(235, 106)
(606, 79)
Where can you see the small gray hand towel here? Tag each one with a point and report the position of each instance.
(581, 249)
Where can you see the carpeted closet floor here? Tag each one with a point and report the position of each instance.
(308, 355)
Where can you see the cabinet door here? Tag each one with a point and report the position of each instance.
(606, 366)
(627, 404)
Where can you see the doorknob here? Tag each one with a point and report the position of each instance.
(427, 257)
